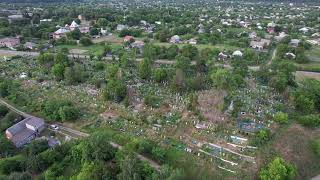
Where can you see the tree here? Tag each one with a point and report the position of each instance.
(279, 82)
(172, 51)
(94, 31)
(179, 82)
(115, 90)
(311, 121)
(182, 63)
(68, 113)
(151, 100)
(85, 41)
(304, 104)
(46, 59)
(278, 169)
(75, 34)
(58, 71)
(145, 69)
(6, 147)
(112, 71)
(281, 117)
(102, 22)
(98, 147)
(223, 79)
(160, 74)
(315, 144)
(62, 59)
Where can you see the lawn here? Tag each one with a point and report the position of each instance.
(314, 54)
(201, 46)
(95, 49)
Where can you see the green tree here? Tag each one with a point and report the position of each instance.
(278, 169)
(102, 22)
(85, 41)
(58, 71)
(160, 74)
(145, 69)
(281, 117)
(115, 90)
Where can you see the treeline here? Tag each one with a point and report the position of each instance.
(95, 158)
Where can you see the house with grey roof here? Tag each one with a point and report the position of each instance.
(25, 131)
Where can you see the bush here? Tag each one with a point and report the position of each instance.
(3, 110)
(60, 110)
(312, 120)
(85, 41)
(316, 147)
(152, 101)
(281, 117)
(278, 169)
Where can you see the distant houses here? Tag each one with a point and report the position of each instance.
(25, 131)
(175, 39)
(9, 42)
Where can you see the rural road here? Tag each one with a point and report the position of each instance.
(77, 133)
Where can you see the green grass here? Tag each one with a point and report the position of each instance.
(200, 46)
(312, 66)
(314, 54)
(95, 49)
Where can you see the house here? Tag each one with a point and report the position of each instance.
(60, 33)
(9, 42)
(281, 36)
(84, 29)
(294, 42)
(121, 27)
(73, 26)
(128, 39)
(304, 30)
(30, 45)
(260, 45)
(290, 55)
(175, 39)
(103, 32)
(137, 44)
(25, 131)
(45, 20)
(270, 27)
(222, 56)
(158, 22)
(237, 53)
(253, 35)
(314, 41)
(192, 41)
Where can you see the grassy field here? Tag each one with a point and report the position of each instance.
(301, 75)
(200, 46)
(95, 49)
(314, 54)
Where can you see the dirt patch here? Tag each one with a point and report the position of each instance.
(294, 146)
(210, 105)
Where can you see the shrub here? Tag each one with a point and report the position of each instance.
(312, 120)
(281, 117)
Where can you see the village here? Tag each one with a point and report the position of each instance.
(219, 84)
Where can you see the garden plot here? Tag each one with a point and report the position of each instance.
(210, 105)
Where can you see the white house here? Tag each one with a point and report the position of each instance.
(237, 53)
